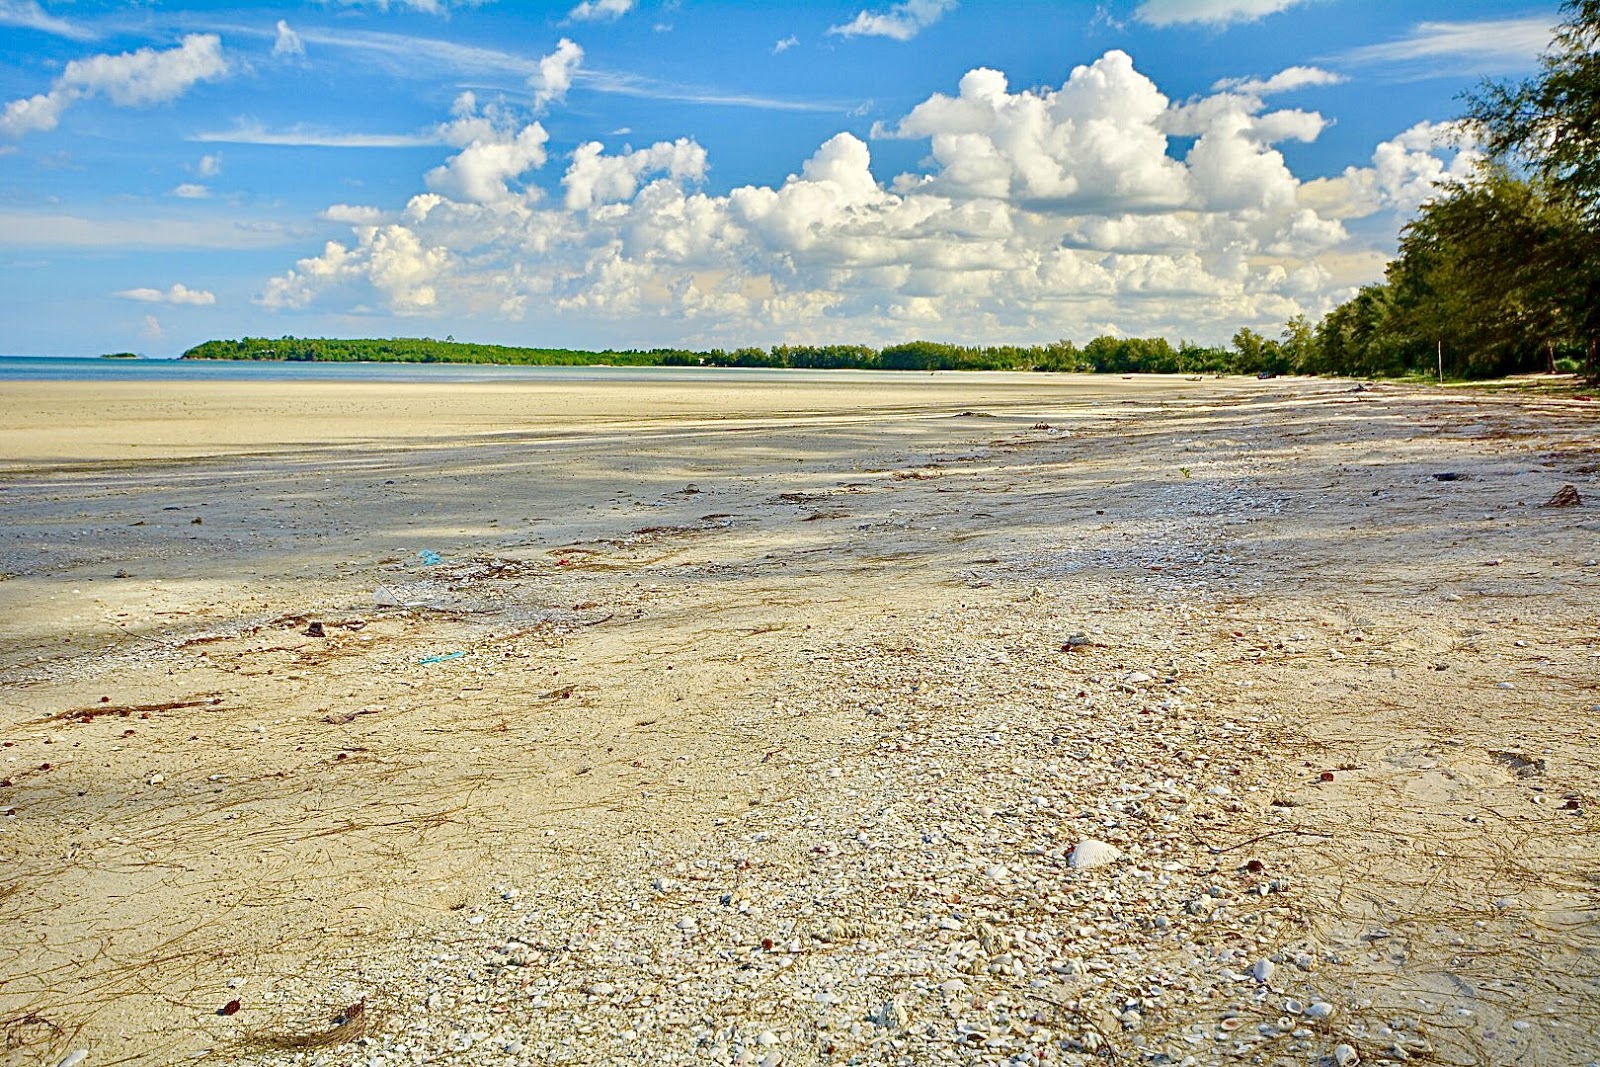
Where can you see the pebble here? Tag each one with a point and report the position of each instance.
(920, 913)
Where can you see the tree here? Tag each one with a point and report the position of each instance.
(1550, 124)
(1487, 270)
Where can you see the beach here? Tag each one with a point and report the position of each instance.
(797, 719)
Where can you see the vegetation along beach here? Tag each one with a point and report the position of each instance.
(1120, 590)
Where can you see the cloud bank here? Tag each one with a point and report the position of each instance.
(1097, 205)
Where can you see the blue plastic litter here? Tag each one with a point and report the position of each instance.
(425, 660)
(429, 557)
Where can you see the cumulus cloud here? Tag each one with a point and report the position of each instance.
(595, 178)
(600, 10)
(288, 42)
(1212, 12)
(784, 45)
(492, 153)
(553, 78)
(178, 294)
(210, 166)
(191, 191)
(131, 79)
(900, 22)
(29, 15)
(1406, 171)
(1038, 212)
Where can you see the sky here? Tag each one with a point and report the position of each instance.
(659, 173)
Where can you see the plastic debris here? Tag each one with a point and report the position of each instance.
(442, 658)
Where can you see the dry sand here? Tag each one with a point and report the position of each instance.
(684, 605)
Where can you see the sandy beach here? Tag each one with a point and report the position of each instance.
(873, 718)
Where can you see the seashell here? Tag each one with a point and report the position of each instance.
(1293, 1006)
(1230, 1025)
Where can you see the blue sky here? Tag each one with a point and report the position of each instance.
(637, 173)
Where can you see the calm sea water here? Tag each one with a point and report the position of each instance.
(56, 369)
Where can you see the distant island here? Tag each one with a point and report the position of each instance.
(119, 355)
(1124, 355)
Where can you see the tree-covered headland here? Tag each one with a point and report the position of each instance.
(1498, 274)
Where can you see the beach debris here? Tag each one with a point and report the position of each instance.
(1566, 497)
(443, 657)
(1346, 1055)
(1091, 853)
(230, 1008)
(429, 557)
(73, 1058)
(314, 629)
(347, 1026)
(1524, 765)
(1449, 476)
(384, 597)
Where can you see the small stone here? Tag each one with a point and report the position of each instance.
(1263, 971)
(155, 779)
(602, 989)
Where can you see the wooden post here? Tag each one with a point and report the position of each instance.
(1441, 362)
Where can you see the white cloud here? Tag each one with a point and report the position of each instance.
(784, 45)
(1489, 46)
(554, 75)
(600, 10)
(427, 7)
(1285, 81)
(1212, 12)
(178, 294)
(29, 15)
(355, 215)
(210, 166)
(48, 230)
(492, 153)
(191, 191)
(1406, 171)
(900, 23)
(287, 42)
(152, 329)
(301, 136)
(1039, 212)
(131, 79)
(595, 178)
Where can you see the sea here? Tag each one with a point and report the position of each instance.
(92, 369)
(95, 369)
